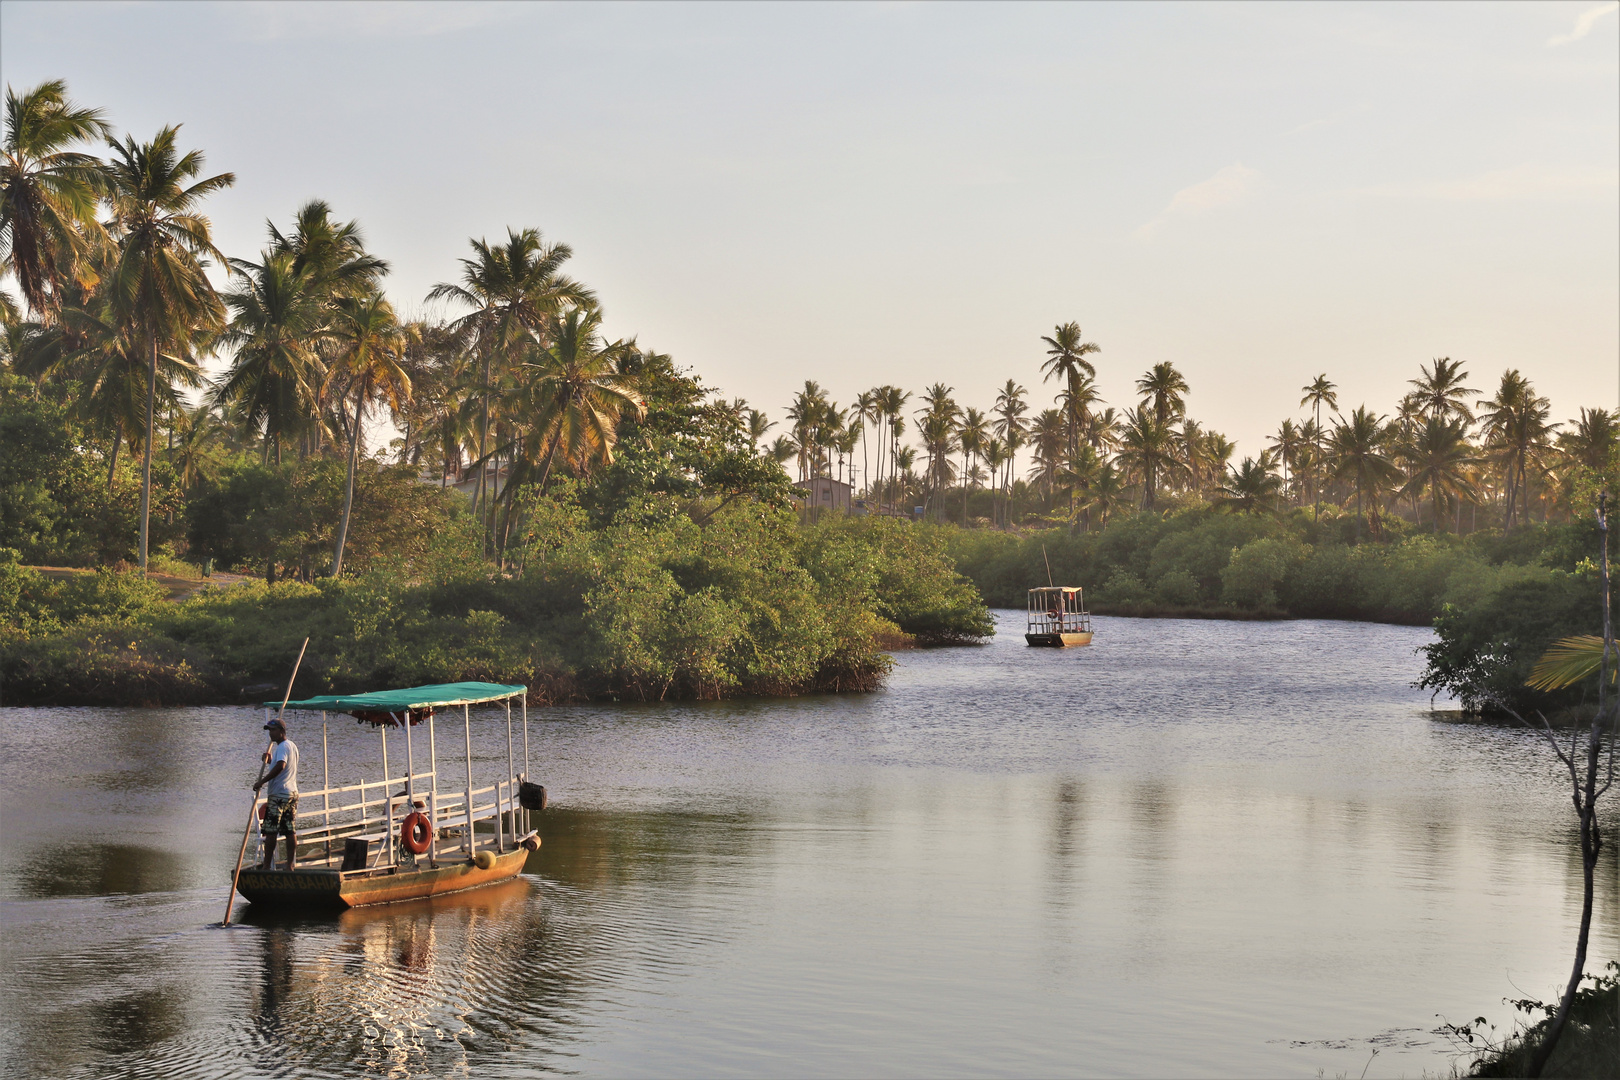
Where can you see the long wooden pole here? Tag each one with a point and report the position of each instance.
(254, 803)
(466, 731)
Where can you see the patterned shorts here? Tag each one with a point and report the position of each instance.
(280, 816)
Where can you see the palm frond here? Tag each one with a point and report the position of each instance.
(1567, 662)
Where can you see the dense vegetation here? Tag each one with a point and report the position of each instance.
(326, 444)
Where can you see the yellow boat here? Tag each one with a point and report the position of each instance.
(1058, 617)
(407, 836)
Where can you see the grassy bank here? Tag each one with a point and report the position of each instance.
(1588, 1047)
(653, 606)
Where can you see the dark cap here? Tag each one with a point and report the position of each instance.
(275, 723)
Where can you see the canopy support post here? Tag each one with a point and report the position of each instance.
(466, 731)
(433, 796)
(388, 798)
(523, 702)
(410, 767)
(326, 784)
(511, 776)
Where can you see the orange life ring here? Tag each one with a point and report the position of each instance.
(1054, 613)
(416, 832)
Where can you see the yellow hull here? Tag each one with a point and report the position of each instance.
(1058, 641)
(322, 887)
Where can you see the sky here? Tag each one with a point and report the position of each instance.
(915, 193)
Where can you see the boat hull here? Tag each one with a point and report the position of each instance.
(323, 887)
(1058, 641)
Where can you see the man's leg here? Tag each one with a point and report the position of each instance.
(292, 848)
(269, 845)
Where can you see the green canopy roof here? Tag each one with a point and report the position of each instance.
(417, 697)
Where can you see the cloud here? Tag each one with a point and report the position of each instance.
(1232, 184)
(1584, 23)
(1504, 185)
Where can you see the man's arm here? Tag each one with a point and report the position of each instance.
(271, 775)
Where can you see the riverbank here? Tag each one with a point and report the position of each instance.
(1589, 1045)
(651, 607)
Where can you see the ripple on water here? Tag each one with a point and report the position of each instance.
(1193, 843)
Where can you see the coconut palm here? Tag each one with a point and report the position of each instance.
(1066, 362)
(1517, 437)
(1066, 353)
(1047, 435)
(1318, 392)
(331, 254)
(1592, 441)
(1440, 458)
(48, 193)
(1360, 452)
(1286, 444)
(1165, 387)
(1439, 392)
(576, 394)
(757, 424)
(511, 290)
(1250, 488)
(157, 285)
(277, 320)
(1148, 449)
(971, 431)
(996, 457)
(369, 346)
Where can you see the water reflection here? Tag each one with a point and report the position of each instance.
(1236, 865)
(100, 870)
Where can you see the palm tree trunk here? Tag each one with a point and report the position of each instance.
(348, 491)
(112, 464)
(146, 458)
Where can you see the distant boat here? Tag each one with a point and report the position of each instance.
(1058, 617)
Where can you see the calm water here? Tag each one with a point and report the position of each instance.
(1196, 848)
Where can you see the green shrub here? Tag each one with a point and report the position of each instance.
(1178, 588)
(1250, 579)
(1124, 589)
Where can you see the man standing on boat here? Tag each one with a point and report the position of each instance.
(281, 816)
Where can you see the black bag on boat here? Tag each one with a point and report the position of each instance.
(531, 796)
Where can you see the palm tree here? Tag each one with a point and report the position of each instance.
(511, 289)
(158, 288)
(1165, 387)
(1010, 426)
(367, 363)
(1047, 436)
(198, 431)
(757, 425)
(894, 404)
(578, 395)
(48, 193)
(1148, 448)
(1592, 440)
(865, 411)
(1105, 494)
(1066, 353)
(1439, 458)
(1439, 391)
(996, 457)
(1518, 436)
(1286, 445)
(1318, 392)
(1360, 452)
(971, 431)
(1066, 361)
(330, 253)
(937, 426)
(277, 320)
(1250, 488)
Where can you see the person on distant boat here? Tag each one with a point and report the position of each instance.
(281, 815)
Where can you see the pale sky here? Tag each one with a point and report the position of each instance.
(911, 193)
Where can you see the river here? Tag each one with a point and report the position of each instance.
(1194, 848)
